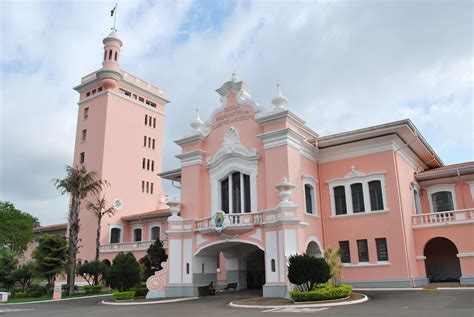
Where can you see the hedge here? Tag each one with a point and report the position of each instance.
(93, 289)
(324, 291)
(124, 295)
(20, 295)
(140, 291)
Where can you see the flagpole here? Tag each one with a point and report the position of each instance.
(115, 17)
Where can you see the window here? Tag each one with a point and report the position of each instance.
(144, 141)
(152, 166)
(309, 198)
(88, 94)
(143, 163)
(115, 234)
(187, 268)
(202, 268)
(357, 198)
(376, 199)
(149, 142)
(137, 235)
(143, 186)
(110, 54)
(84, 135)
(151, 188)
(141, 99)
(147, 187)
(416, 198)
(273, 265)
(146, 119)
(93, 91)
(237, 185)
(340, 200)
(99, 89)
(86, 113)
(155, 233)
(363, 250)
(153, 144)
(148, 165)
(105, 55)
(442, 201)
(345, 251)
(154, 122)
(82, 157)
(382, 251)
(115, 56)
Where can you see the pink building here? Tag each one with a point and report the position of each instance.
(258, 185)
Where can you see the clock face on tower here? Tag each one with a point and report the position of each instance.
(117, 203)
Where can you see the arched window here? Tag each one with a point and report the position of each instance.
(442, 201)
(105, 55)
(115, 235)
(155, 233)
(357, 198)
(110, 54)
(115, 56)
(235, 193)
(309, 198)
(376, 199)
(340, 200)
(137, 235)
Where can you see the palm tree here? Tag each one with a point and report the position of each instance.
(100, 210)
(78, 183)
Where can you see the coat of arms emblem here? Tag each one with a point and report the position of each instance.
(219, 221)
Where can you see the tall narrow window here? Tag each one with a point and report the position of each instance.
(236, 202)
(152, 166)
(382, 251)
(144, 141)
(146, 119)
(82, 157)
(137, 235)
(153, 144)
(345, 251)
(225, 195)
(86, 113)
(115, 56)
(110, 54)
(442, 201)
(416, 197)
(148, 165)
(376, 200)
(357, 198)
(273, 265)
(309, 199)
(155, 233)
(154, 122)
(105, 55)
(147, 187)
(84, 135)
(144, 163)
(363, 250)
(247, 207)
(151, 188)
(115, 234)
(143, 186)
(340, 200)
(149, 142)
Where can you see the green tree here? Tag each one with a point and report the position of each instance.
(100, 210)
(333, 259)
(50, 256)
(16, 228)
(156, 255)
(23, 275)
(306, 271)
(124, 272)
(78, 183)
(8, 263)
(93, 272)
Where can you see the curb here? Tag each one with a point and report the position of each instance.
(176, 300)
(352, 302)
(55, 300)
(415, 289)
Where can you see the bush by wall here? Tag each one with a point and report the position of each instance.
(93, 289)
(140, 291)
(124, 272)
(123, 295)
(20, 295)
(324, 291)
(305, 271)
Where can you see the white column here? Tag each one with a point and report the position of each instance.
(242, 193)
(367, 204)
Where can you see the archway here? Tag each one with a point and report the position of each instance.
(313, 249)
(442, 263)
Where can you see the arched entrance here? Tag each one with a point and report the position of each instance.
(442, 263)
(313, 249)
(228, 263)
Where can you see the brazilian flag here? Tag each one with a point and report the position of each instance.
(112, 12)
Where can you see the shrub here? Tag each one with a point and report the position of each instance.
(124, 272)
(156, 254)
(93, 289)
(140, 291)
(324, 291)
(305, 271)
(37, 288)
(92, 272)
(37, 293)
(124, 295)
(20, 295)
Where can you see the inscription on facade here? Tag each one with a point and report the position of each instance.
(231, 114)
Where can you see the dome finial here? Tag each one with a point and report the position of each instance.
(197, 123)
(279, 101)
(235, 78)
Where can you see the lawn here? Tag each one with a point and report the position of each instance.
(49, 297)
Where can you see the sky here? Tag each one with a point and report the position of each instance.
(342, 65)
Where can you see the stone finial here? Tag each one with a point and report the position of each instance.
(197, 123)
(235, 78)
(175, 207)
(285, 189)
(279, 101)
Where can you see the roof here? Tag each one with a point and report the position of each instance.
(404, 129)
(458, 169)
(49, 228)
(158, 213)
(172, 175)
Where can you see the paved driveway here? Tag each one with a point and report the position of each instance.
(453, 303)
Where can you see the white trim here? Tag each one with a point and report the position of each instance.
(420, 257)
(354, 177)
(191, 158)
(152, 225)
(285, 136)
(441, 188)
(226, 241)
(132, 232)
(365, 264)
(315, 240)
(310, 180)
(465, 254)
(118, 226)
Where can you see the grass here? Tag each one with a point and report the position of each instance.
(49, 297)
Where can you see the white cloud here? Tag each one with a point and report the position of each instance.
(343, 65)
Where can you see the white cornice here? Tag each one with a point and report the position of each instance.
(191, 158)
(281, 137)
(196, 138)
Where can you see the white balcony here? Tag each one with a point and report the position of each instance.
(242, 221)
(436, 219)
(129, 246)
